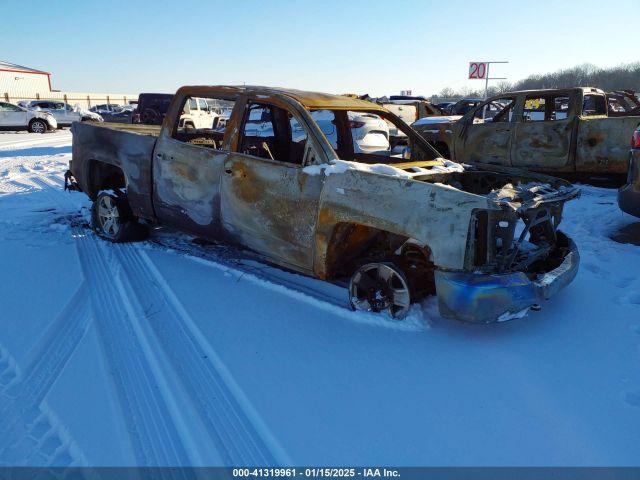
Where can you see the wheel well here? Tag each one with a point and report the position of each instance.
(104, 176)
(353, 244)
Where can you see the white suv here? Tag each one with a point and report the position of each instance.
(13, 117)
(197, 115)
(64, 113)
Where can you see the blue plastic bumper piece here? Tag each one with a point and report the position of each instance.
(487, 298)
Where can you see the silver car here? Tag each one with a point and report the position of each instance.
(64, 113)
(13, 117)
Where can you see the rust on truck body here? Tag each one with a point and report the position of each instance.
(573, 133)
(324, 212)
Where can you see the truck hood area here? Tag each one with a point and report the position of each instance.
(502, 186)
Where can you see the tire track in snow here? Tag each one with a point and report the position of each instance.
(30, 434)
(237, 430)
(153, 434)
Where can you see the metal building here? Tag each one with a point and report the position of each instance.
(18, 80)
(24, 83)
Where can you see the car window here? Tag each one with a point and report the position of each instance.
(326, 121)
(271, 132)
(8, 107)
(534, 109)
(594, 105)
(202, 103)
(497, 110)
(560, 108)
(546, 108)
(207, 130)
(371, 137)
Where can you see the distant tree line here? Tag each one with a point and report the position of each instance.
(622, 77)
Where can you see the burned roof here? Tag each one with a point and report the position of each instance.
(310, 100)
(550, 91)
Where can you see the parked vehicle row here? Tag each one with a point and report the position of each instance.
(40, 116)
(14, 117)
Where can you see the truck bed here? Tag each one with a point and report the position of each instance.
(140, 129)
(102, 150)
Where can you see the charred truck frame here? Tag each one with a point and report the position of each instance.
(565, 132)
(284, 178)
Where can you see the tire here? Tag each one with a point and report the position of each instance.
(38, 126)
(380, 287)
(112, 219)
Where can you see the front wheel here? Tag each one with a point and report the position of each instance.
(111, 218)
(37, 126)
(380, 287)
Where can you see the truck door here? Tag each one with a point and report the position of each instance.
(544, 133)
(485, 135)
(602, 143)
(187, 165)
(269, 203)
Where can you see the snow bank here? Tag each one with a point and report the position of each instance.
(341, 166)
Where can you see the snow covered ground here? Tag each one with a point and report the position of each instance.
(169, 352)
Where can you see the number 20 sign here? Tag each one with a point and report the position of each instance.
(478, 70)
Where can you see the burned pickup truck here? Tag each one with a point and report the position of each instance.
(566, 132)
(287, 177)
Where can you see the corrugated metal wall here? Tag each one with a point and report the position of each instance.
(22, 83)
(31, 86)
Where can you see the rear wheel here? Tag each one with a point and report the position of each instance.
(111, 218)
(37, 126)
(380, 287)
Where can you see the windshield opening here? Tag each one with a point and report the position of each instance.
(371, 137)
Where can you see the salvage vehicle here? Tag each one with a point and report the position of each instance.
(463, 105)
(392, 226)
(408, 111)
(64, 113)
(407, 108)
(629, 194)
(15, 118)
(561, 131)
(622, 103)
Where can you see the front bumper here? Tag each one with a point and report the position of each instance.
(52, 123)
(487, 298)
(629, 195)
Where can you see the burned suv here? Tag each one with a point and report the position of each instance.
(284, 178)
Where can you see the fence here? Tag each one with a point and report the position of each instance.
(85, 100)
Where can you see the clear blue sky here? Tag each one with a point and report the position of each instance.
(343, 46)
